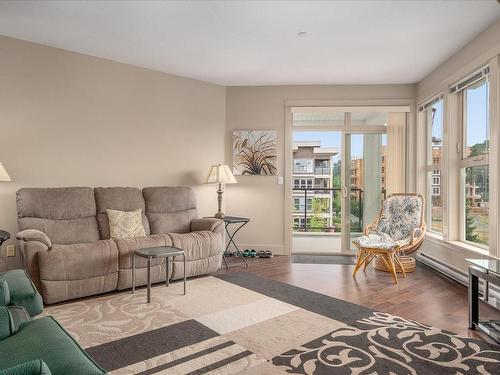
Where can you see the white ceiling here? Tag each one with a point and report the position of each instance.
(256, 43)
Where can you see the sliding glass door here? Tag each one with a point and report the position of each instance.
(339, 175)
(366, 171)
(317, 190)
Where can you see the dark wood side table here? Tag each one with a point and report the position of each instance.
(489, 271)
(241, 222)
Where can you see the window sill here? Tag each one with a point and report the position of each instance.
(434, 235)
(457, 245)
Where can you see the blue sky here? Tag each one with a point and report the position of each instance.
(477, 116)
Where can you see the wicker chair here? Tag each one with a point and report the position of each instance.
(398, 231)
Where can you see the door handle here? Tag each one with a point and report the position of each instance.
(344, 191)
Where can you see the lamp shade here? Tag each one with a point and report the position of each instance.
(220, 174)
(4, 176)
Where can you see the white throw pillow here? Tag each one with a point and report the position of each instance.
(125, 224)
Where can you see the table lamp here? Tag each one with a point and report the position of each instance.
(4, 176)
(220, 174)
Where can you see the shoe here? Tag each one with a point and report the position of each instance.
(268, 254)
(261, 254)
(246, 253)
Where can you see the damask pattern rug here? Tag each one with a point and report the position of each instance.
(239, 323)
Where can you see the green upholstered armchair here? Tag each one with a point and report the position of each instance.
(27, 344)
(17, 289)
(36, 367)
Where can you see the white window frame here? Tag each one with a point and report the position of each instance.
(470, 161)
(432, 169)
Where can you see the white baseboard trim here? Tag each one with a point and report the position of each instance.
(457, 275)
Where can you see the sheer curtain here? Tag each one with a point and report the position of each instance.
(396, 153)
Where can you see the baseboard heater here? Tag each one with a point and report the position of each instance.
(457, 275)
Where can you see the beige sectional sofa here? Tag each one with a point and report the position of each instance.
(66, 247)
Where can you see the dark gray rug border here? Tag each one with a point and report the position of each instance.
(142, 346)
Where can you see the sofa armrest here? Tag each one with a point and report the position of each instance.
(29, 248)
(7, 328)
(35, 367)
(207, 223)
(34, 235)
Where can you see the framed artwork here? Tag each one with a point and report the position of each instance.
(255, 152)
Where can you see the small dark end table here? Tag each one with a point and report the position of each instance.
(489, 271)
(153, 253)
(241, 222)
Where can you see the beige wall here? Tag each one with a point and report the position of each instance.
(476, 53)
(260, 197)
(68, 119)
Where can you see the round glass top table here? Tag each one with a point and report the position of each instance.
(153, 253)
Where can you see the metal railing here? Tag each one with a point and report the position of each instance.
(322, 170)
(313, 218)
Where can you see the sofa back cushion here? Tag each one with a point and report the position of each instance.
(120, 199)
(66, 215)
(170, 209)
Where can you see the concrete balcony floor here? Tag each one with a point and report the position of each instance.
(320, 243)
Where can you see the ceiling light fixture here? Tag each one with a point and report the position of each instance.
(302, 34)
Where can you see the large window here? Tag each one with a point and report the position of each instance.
(434, 120)
(475, 163)
(459, 142)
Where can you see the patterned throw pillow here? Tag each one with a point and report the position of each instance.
(125, 224)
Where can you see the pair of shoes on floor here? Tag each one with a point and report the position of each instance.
(265, 254)
(247, 253)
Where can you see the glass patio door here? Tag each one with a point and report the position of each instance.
(365, 177)
(339, 175)
(316, 192)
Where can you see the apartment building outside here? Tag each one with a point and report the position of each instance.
(313, 171)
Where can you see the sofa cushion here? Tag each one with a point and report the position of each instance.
(66, 215)
(197, 245)
(79, 261)
(196, 267)
(170, 209)
(23, 292)
(45, 339)
(126, 248)
(118, 198)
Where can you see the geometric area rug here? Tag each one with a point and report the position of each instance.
(239, 323)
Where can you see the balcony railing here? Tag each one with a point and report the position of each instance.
(322, 171)
(313, 219)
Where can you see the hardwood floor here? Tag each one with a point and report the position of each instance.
(425, 295)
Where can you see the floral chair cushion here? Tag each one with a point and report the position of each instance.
(401, 214)
(381, 241)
